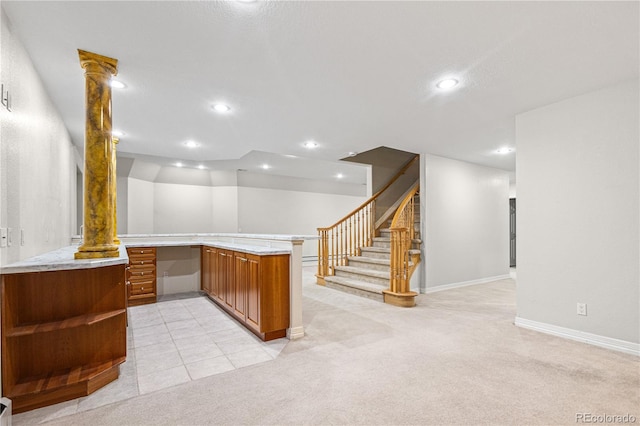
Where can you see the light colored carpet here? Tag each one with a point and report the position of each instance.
(456, 358)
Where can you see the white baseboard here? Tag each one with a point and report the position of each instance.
(465, 283)
(580, 336)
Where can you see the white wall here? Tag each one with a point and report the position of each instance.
(225, 209)
(34, 196)
(182, 208)
(466, 221)
(140, 206)
(122, 193)
(273, 211)
(154, 207)
(578, 240)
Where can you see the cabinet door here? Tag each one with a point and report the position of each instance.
(225, 277)
(253, 292)
(205, 269)
(240, 278)
(213, 276)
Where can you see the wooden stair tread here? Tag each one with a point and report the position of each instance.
(77, 321)
(61, 378)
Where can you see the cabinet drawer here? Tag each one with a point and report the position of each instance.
(142, 261)
(141, 251)
(133, 274)
(143, 287)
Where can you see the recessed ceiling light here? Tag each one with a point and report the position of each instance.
(117, 84)
(352, 153)
(117, 133)
(178, 164)
(266, 166)
(201, 166)
(310, 145)
(191, 144)
(447, 83)
(339, 175)
(221, 108)
(505, 150)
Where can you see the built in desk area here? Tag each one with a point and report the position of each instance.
(64, 320)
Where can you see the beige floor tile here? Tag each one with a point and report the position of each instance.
(209, 367)
(249, 357)
(163, 379)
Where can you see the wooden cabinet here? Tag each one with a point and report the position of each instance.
(63, 334)
(254, 289)
(141, 275)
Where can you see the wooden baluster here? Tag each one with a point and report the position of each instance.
(320, 254)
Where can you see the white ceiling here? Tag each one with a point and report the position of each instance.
(350, 75)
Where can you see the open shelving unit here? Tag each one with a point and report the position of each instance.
(63, 334)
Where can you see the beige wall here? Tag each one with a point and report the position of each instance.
(578, 217)
(465, 215)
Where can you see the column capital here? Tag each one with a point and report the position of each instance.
(88, 58)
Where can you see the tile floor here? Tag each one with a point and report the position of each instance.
(181, 338)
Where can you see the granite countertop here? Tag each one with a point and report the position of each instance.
(63, 258)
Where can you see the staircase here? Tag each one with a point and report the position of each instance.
(368, 274)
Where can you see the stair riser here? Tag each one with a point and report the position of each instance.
(385, 244)
(376, 255)
(354, 291)
(366, 278)
(364, 264)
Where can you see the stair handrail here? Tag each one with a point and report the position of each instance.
(403, 259)
(356, 229)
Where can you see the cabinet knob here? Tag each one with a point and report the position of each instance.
(141, 273)
(128, 282)
(141, 288)
(142, 263)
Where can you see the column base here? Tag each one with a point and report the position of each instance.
(404, 300)
(320, 280)
(97, 252)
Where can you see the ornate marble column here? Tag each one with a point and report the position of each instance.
(114, 191)
(99, 212)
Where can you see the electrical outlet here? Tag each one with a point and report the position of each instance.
(582, 309)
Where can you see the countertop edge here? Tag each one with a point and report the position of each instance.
(63, 258)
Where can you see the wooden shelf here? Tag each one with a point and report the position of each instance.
(61, 378)
(63, 334)
(77, 321)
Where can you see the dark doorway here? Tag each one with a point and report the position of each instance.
(512, 232)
